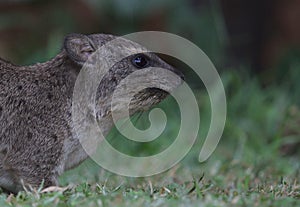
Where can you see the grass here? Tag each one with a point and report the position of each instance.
(194, 193)
(232, 184)
(247, 169)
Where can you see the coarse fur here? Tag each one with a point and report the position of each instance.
(36, 139)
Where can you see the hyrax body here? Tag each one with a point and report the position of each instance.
(36, 139)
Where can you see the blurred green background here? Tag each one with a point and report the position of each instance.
(253, 44)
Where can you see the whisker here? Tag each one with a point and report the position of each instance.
(114, 133)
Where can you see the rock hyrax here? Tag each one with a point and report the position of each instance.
(36, 139)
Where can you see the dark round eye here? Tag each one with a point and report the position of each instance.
(140, 61)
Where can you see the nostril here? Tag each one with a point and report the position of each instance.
(180, 74)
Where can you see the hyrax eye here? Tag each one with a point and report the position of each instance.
(140, 61)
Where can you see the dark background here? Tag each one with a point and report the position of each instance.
(256, 34)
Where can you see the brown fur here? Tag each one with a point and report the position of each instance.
(36, 140)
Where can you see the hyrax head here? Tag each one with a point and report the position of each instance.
(120, 59)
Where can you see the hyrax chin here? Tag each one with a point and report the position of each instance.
(36, 139)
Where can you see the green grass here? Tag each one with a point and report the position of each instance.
(247, 169)
(238, 191)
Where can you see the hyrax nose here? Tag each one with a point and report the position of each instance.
(178, 72)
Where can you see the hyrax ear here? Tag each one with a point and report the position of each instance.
(79, 47)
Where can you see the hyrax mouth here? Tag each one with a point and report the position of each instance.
(155, 93)
(147, 98)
